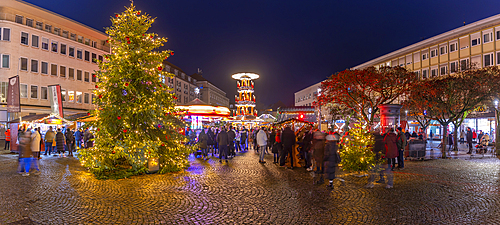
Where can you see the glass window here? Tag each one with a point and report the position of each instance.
(43, 93)
(78, 97)
(63, 49)
(71, 52)
(34, 41)
(92, 98)
(79, 54)
(87, 77)
(498, 58)
(79, 75)
(443, 70)
(476, 41)
(3, 91)
(65, 33)
(86, 98)
(453, 67)
(80, 39)
(54, 46)
(71, 96)
(72, 37)
(5, 61)
(53, 69)
(63, 95)
(87, 41)
(45, 68)
(24, 38)
(100, 58)
(34, 66)
(29, 22)
(39, 25)
(71, 73)
(24, 64)
(19, 19)
(6, 34)
(24, 90)
(62, 71)
(87, 56)
(488, 60)
(34, 91)
(94, 58)
(45, 43)
(57, 31)
(94, 78)
(487, 37)
(442, 50)
(48, 28)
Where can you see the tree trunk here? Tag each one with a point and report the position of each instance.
(455, 137)
(445, 140)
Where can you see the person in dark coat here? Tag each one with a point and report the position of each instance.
(277, 146)
(379, 150)
(60, 142)
(469, 140)
(243, 139)
(306, 145)
(332, 157)
(391, 153)
(223, 141)
(231, 136)
(202, 143)
(210, 141)
(319, 153)
(288, 140)
(70, 141)
(78, 138)
(271, 139)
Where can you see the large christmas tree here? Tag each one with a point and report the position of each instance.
(135, 116)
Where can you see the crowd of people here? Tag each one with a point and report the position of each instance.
(57, 141)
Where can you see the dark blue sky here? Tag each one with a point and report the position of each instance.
(291, 44)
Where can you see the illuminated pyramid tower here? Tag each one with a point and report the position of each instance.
(245, 100)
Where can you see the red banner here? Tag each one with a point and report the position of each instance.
(13, 96)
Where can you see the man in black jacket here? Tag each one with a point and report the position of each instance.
(288, 140)
(223, 141)
(231, 135)
(469, 140)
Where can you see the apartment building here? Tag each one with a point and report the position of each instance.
(210, 93)
(307, 96)
(44, 49)
(183, 85)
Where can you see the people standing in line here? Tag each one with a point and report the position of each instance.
(243, 138)
(49, 138)
(231, 136)
(401, 143)
(7, 140)
(60, 142)
(210, 140)
(462, 136)
(276, 146)
(25, 154)
(223, 141)
(379, 150)
(288, 140)
(391, 153)
(35, 150)
(70, 141)
(78, 138)
(237, 140)
(202, 143)
(262, 143)
(319, 153)
(332, 157)
(469, 140)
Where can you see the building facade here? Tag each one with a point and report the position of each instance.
(184, 86)
(307, 96)
(44, 49)
(210, 93)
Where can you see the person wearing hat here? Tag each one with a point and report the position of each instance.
(332, 158)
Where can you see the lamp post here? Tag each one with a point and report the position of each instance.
(319, 110)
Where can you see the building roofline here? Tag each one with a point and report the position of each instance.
(457, 32)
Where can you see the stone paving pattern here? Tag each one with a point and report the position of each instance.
(451, 191)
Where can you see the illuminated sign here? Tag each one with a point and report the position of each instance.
(53, 121)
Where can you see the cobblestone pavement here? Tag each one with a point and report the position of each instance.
(451, 191)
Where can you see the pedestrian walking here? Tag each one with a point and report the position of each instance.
(243, 138)
(70, 141)
(462, 136)
(78, 138)
(307, 146)
(223, 141)
(237, 140)
(35, 150)
(25, 154)
(7, 140)
(401, 143)
(450, 141)
(277, 146)
(210, 140)
(469, 140)
(49, 138)
(202, 143)
(391, 153)
(60, 142)
(231, 136)
(379, 150)
(288, 140)
(319, 153)
(262, 143)
(332, 157)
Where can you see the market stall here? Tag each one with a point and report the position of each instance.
(297, 126)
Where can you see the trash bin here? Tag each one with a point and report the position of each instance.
(416, 149)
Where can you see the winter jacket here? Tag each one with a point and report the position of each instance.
(222, 138)
(210, 137)
(272, 138)
(25, 145)
(401, 143)
(49, 136)
(70, 139)
(391, 146)
(261, 138)
(469, 136)
(78, 135)
(60, 141)
(288, 138)
(319, 150)
(202, 140)
(7, 135)
(378, 146)
(35, 142)
(332, 158)
(231, 136)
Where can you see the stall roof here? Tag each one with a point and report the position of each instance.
(39, 117)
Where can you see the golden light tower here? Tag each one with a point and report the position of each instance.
(245, 99)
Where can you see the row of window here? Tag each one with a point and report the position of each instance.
(60, 48)
(53, 69)
(462, 64)
(35, 92)
(452, 46)
(57, 31)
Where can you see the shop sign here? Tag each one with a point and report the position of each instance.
(53, 121)
(13, 96)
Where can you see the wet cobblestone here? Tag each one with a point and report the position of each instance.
(452, 191)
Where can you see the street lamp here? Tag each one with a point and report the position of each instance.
(319, 110)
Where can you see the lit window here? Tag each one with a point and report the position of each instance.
(45, 43)
(54, 46)
(24, 90)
